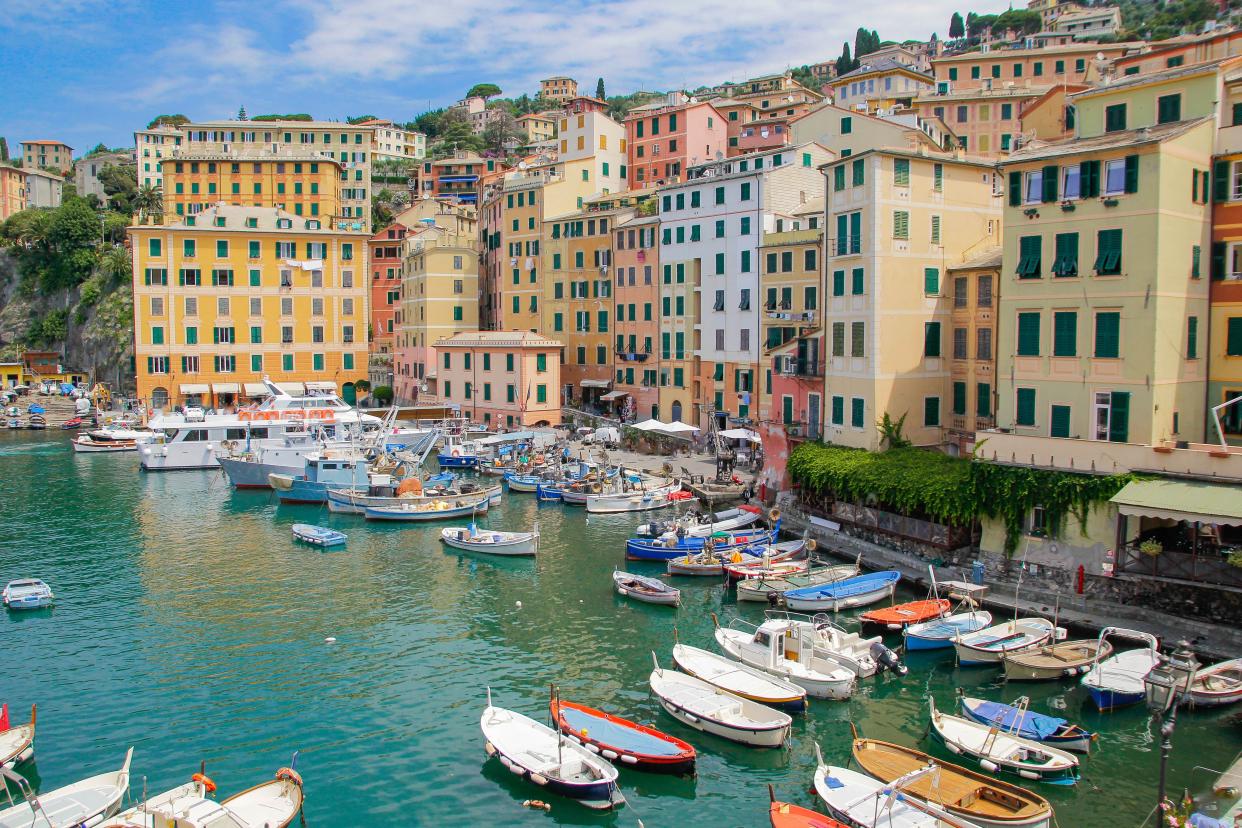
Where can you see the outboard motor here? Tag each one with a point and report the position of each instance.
(886, 659)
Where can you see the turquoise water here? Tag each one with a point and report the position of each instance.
(190, 626)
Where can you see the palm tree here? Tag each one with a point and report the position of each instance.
(117, 264)
(149, 201)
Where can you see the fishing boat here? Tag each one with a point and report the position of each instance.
(622, 741)
(695, 524)
(988, 645)
(357, 501)
(473, 539)
(863, 802)
(703, 564)
(550, 493)
(1003, 752)
(339, 468)
(37, 422)
(670, 546)
(639, 500)
(1212, 686)
(647, 590)
(863, 657)
(87, 802)
(1048, 662)
(952, 790)
(758, 588)
(1117, 681)
(432, 510)
(775, 560)
(527, 483)
(852, 592)
(272, 804)
(318, 535)
(72, 423)
(16, 743)
(457, 452)
(703, 706)
(900, 616)
(788, 815)
(540, 754)
(739, 679)
(787, 655)
(940, 633)
(108, 440)
(27, 594)
(1016, 719)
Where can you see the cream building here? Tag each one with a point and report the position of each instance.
(151, 146)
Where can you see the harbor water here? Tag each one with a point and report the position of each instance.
(189, 625)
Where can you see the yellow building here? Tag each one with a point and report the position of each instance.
(558, 89)
(972, 350)
(880, 84)
(306, 185)
(53, 155)
(537, 128)
(12, 191)
(231, 294)
(504, 379)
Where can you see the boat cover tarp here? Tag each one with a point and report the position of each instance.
(1186, 500)
(618, 736)
(849, 587)
(1031, 725)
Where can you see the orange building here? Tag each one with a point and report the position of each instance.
(12, 191)
(308, 186)
(665, 137)
(385, 259)
(506, 379)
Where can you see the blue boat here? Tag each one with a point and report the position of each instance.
(667, 549)
(939, 633)
(839, 595)
(321, 470)
(547, 493)
(318, 535)
(524, 482)
(1017, 720)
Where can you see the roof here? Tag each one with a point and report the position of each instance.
(1086, 14)
(557, 77)
(43, 174)
(1040, 150)
(987, 260)
(639, 220)
(787, 237)
(535, 117)
(46, 143)
(235, 222)
(1046, 51)
(981, 94)
(262, 124)
(884, 64)
(813, 207)
(1136, 81)
(1181, 500)
(498, 339)
(903, 152)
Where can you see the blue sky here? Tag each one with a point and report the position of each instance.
(85, 71)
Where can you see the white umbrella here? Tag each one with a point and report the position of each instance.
(741, 434)
(649, 425)
(678, 428)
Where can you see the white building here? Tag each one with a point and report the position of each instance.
(1089, 23)
(150, 147)
(392, 142)
(592, 147)
(43, 189)
(86, 171)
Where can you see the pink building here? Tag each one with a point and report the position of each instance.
(636, 258)
(503, 379)
(666, 137)
(385, 261)
(793, 412)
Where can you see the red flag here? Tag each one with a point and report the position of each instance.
(4, 718)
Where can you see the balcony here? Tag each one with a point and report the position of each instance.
(1205, 461)
(791, 366)
(788, 316)
(633, 356)
(458, 179)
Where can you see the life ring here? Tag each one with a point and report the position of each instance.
(290, 774)
(774, 514)
(204, 780)
(456, 451)
(811, 544)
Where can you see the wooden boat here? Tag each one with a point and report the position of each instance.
(759, 588)
(852, 592)
(670, 546)
(696, 525)
(16, 743)
(704, 707)
(433, 510)
(648, 590)
(473, 539)
(787, 815)
(954, 791)
(83, 803)
(1003, 752)
(759, 568)
(72, 423)
(356, 501)
(622, 741)
(642, 500)
(547, 493)
(271, 804)
(27, 594)
(1213, 686)
(862, 802)
(1053, 661)
(899, 616)
(790, 656)
(988, 645)
(1117, 681)
(704, 565)
(1018, 720)
(716, 562)
(940, 633)
(540, 754)
(318, 535)
(739, 679)
(776, 560)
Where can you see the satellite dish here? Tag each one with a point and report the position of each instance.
(521, 165)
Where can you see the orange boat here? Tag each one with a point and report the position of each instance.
(784, 815)
(898, 616)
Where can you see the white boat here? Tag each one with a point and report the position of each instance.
(637, 500)
(271, 804)
(84, 803)
(939, 633)
(1212, 686)
(357, 501)
(830, 641)
(759, 588)
(785, 652)
(702, 706)
(26, 594)
(16, 743)
(1002, 752)
(858, 591)
(858, 800)
(254, 467)
(696, 525)
(438, 509)
(647, 590)
(1117, 681)
(473, 539)
(739, 679)
(111, 439)
(990, 644)
(538, 753)
(318, 535)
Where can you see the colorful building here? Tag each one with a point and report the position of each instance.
(1224, 344)
(1050, 116)
(558, 89)
(998, 69)
(43, 189)
(882, 84)
(305, 184)
(972, 358)
(635, 393)
(667, 137)
(984, 121)
(460, 177)
(151, 146)
(846, 132)
(1177, 52)
(760, 120)
(12, 191)
(502, 379)
(592, 148)
(391, 142)
(52, 155)
(384, 260)
(232, 294)
(537, 128)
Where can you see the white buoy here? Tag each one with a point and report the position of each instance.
(518, 604)
(330, 640)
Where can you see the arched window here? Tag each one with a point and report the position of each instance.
(159, 397)
(677, 411)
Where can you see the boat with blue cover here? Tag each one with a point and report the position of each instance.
(318, 535)
(621, 741)
(1016, 719)
(670, 547)
(1003, 752)
(852, 592)
(939, 633)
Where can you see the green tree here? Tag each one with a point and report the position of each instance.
(241, 113)
(456, 133)
(117, 263)
(294, 116)
(427, 123)
(1022, 21)
(4, 148)
(120, 185)
(358, 119)
(501, 128)
(599, 89)
(845, 64)
(957, 28)
(168, 120)
(382, 394)
(148, 201)
(483, 90)
(109, 334)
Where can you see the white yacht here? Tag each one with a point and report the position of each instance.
(193, 440)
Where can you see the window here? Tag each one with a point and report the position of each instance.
(931, 411)
(901, 224)
(858, 335)
(1034, 193)
(1066, 261)
(959, 343)
(1025, 407)
(1233, 336)
(1168, 108)
(1029, 254)
(901, 172)
(1028, 333)
(1108, 253)
(838, 178)
(1064, 334)
(931, 339)
(745, 190)
(983, 400)
(1115, 117)
(1121, 175)
(856, 412)
(1192, 337)
(1059, 421)
(931, 281)
(856, 279)
(1107, 334)
(935, 230)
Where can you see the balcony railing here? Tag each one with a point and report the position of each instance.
(1210, 567)
(789, 366)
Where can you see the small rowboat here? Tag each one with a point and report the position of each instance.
(318, 535)
(900, 616)
(1017, 720)
(87, 443)
(16, 743)
(1054, 661)
(764, 567)
(704, 564)
(472, 539)
(668, 547)
(621, 741)
(1213, 686)
(988, 646)
(434, 510)
(865, 803)
(739, 679)
(87, 802)
(704, 707)
(785, 815)
(1117, 681)
(852, 592)
(547, 493)
(954, 791)
(941, 632)
(759, 588)
(536, 752)
(1002, 752)
(642, 588)
(27, 594)
(701, 526)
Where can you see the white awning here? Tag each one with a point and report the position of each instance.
(741, 434)
(679, 428)
(295, 388)
(256, 389)
(648, 425)
(321, 386)
(1191, 501)
(614, 395)
(226, 387)
(195, 389)
(590, 383)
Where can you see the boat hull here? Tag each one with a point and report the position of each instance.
(1059, 776)
(1106, 699)
(599, 796)
(837, 604)
(298, 490)
(448, 461)
(649, 550)
(679, 763)
(412, 515)
(634, 501)
(249, 475)
(524, 547)
(89, 447)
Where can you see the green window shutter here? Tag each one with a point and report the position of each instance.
(1090, 178)
(1065, 334)
(1050, 175)
(1015, 189)
(901, 224)
(256, 334)
(959, 399)
(1028, 334)
(931, 281)
(858, 172)
(1192, 337)
(1218, 260)
(938, 177)
(983, 399)
(1220, 181)
(1107, 334)
(720, 264)
(838, 410)
(838, 283)
(787, 410)
(1119, 417)
(1233, 336)
(1132, 173)
(1195, 256)
(931, 411)
(901, 172)
(931, 339)
(842, 235)
(1030, 253)
(856, 279)
(838, 178)
(1025, 410)
(1066, 263)
(1108, 253)
(770, 263)
(1060, 421)
(856, 412)
(935, 229)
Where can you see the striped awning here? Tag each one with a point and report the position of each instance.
(321, 386)
(194, 388)
(226, 387)
(594, 383)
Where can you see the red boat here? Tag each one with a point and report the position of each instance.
(621, 741)
(785, 815)
(76, 422)
(899, 616)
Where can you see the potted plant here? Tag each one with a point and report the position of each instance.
(1151, 547)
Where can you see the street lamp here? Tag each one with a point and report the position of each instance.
(1165, 685)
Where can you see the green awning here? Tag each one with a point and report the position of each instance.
(1186, 500)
